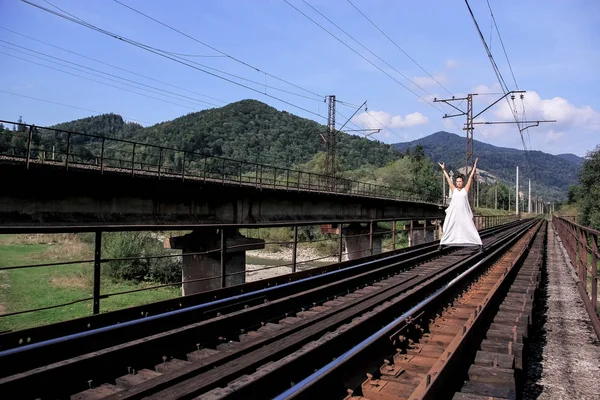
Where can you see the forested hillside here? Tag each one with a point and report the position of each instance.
(247, 130)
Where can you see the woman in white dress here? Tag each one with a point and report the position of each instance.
(459, 229)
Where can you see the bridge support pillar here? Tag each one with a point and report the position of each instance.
(202, 272)
(423, 232)
(360, 246)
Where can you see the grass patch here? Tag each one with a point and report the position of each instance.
(23, 289)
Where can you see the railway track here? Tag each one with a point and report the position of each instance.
(258, 342)
(466, 343)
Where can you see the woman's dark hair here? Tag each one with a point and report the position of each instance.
(461, 176)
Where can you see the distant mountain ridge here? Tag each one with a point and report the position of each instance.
(572, 158)
(551, 175)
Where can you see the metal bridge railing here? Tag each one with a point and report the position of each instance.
(423, 232)
(41, 145)
(581, 244)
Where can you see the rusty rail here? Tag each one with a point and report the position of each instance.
(581, 244)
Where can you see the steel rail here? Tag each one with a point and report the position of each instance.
(195, 384)
(350, 281)
(309, 386)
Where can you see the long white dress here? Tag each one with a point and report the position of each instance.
(458, 228)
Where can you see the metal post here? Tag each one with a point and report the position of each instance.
(583, 259)
(223, 181)
(133, 160)
(394, 235)
(424, 231)
(183, 167)
(443, 189)
(341, 244)
(223, 276)
(29, 146)
(68, 150)
(159, 161)
(529, 199)
(410, 234)
(371, 238)
(496, 196)
(594, 271)
(477, 182)
(102, 157)
(517, 193)
(97, 264)
(52, 153)
(295, 248)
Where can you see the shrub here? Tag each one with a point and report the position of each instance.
(138, 244)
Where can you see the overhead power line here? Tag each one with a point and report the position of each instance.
(398, 47)
(361, 56)
(67, 105)
(502, 44)
(187, 98)
(162, 54)
(100, 82)
(366, 48)
(217, 50)
(112, 66)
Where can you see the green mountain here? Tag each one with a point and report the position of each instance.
(246, 130)
(551, 175)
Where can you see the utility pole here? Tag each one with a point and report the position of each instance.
(331, 137)
(469, 125)
(496, 196)
(331, 141)
(477, 183)
(443, 189)
(517, 193)
(529, 202)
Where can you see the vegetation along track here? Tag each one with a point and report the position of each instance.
(294, 327)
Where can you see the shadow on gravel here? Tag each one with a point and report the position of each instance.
(537, 341)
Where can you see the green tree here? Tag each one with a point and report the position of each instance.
(589, 191)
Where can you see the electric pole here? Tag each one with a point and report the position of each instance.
(477, 183)
(517, 193)
(529, 202)
(331, 140)
(496, 196)
(469, 125)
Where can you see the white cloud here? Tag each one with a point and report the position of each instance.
(451, 64)
(376, 118)
(427, 81)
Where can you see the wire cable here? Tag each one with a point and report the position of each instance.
(100, 82)
(149, 49)
(215, 49)
(112, 66)
(103, 73)
(366, 48)
(361, 56)
(398, 47)
(68, 105)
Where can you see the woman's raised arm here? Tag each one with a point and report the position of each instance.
(471, 176)
(450, 183)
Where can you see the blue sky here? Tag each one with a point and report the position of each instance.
(552, 46)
